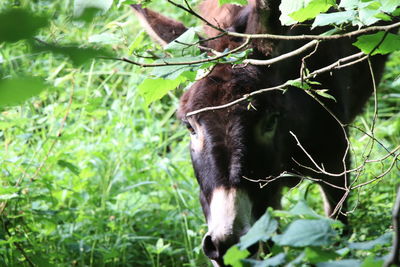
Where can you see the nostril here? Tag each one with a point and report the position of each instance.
(209, 248)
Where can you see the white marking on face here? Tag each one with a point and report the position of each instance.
(196, 139)
(230, 213)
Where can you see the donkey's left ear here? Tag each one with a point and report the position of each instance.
(160, 28)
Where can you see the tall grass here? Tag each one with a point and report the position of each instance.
(93, 177)
(97, 177)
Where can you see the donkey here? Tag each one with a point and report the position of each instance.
(232, 147)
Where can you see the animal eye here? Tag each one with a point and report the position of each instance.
(270, 122)
(190, 128)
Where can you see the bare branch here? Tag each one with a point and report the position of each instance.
(316, 37)
(245, 97)
(265, 181)
(282, 57)
(193, 62)
(189, 10)
(335, 65)
(395, 159)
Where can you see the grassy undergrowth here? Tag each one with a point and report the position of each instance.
(91, 176)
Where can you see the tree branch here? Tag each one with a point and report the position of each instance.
(211, 59)
(189, 10)
(315, 37)
(298, 51)
(336, 65)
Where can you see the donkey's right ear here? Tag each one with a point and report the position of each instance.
(160, 28)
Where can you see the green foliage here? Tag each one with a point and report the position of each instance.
(262, 230)
(154, 89)
(19, 24)
(312, 9)
(378, 43)
(16, 90)
(78, 55)
(302, 233)
(304, 241)
(86, 9)
(336, 18)
(355, 12)
(92, 176)
(238, 2)
(234, 256)
(276, 260)
(315, 255)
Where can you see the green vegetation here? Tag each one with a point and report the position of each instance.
(92, 176)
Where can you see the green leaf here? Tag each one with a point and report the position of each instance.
(315, 255)
(78, 55)
(301, 208)
(184, 42)
(277, 260)
(14, 91)
(8, 190)
(129, 2)
(370, 261)
(160, 247)
(234, 256)
(341, 263)
(18, 24)
(88, 14)
(349, 4)
(155, 89)
(172, 72)
(288, 7)
(302, 233)
(237, 2)
(262, 230)
(367, 15)
(299, 84)
(389, 6)
(396, 12)
(81, 5)
(367, 43)
(383, 16)
(104, 38)
(39, 260)
(323, 93)
(335, 18)
(368, 245)
(8, 196)
(312, 9)
(66, 164)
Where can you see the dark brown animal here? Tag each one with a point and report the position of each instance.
(230, 144)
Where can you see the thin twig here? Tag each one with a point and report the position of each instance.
(282, 57)
(192, 62)
(288, 37)
(243, 98)
(336, 65)
(315, 37)
(395, 159)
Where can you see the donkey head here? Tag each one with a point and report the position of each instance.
(228, 145)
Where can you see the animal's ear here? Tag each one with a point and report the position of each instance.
(160, 28)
